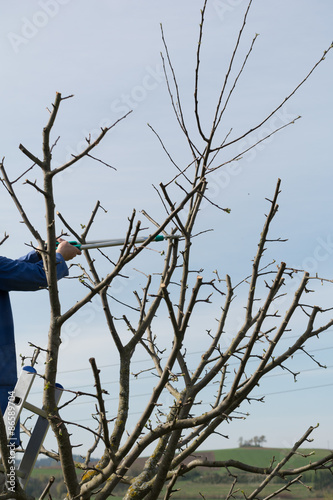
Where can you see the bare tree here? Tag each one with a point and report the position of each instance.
(169, 436)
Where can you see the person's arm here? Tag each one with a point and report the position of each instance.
(64, 248)
(23, 275)
(27, 273)
(33, 257)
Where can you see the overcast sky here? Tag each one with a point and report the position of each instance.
(107, 54)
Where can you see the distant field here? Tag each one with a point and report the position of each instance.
(261, 457)
(212, 484)
(47, 472)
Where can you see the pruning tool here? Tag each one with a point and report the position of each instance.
(116, 242)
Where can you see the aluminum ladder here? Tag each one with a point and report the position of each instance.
(16, 402)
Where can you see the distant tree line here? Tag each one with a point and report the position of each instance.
(255, 441)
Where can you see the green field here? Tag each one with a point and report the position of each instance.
(261, 457)
(213, 483)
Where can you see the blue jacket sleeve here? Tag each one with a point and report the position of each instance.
(27, 273)
(32, 257)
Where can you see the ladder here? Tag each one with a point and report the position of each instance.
(16, 403)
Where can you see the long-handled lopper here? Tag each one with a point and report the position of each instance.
(116, 242)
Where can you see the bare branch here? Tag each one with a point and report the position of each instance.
(90, 146)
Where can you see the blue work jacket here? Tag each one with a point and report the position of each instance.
(24, 274)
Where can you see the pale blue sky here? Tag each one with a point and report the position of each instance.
(107, 54)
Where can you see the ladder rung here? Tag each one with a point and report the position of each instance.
(35, 409)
